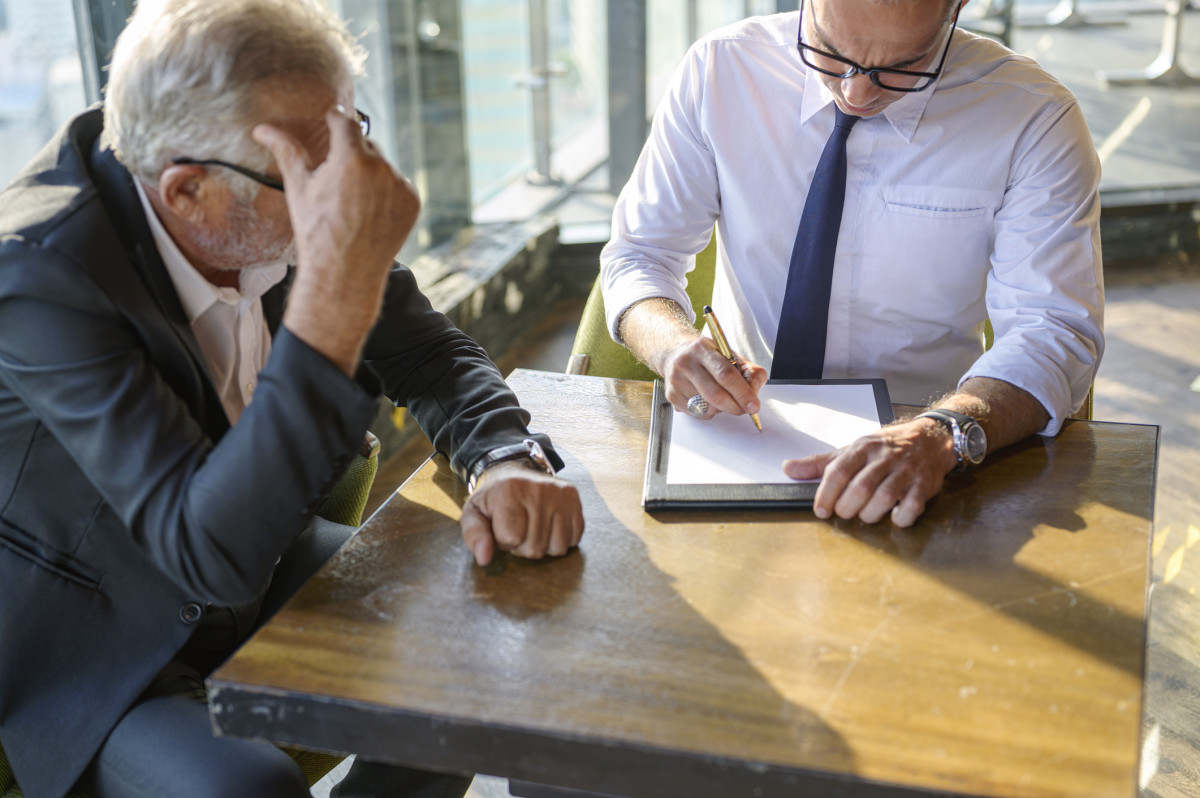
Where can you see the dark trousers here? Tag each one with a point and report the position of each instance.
(164, 747)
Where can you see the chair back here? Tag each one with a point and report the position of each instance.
(1084, 413)
(348, 497)
(595, 352)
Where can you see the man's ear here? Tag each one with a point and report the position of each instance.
(188, 192)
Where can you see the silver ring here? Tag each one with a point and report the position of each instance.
(697, 406)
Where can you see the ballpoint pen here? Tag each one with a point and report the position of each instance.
(719, 336)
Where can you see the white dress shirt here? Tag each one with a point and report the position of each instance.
(228, 322)
(975, 198)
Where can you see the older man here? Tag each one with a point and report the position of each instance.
(881, 184)
(168, 423)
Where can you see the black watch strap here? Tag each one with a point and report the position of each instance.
(946, 416)
(970, 442)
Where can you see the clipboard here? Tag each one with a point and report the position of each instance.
(870, 407)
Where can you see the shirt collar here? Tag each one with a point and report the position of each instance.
(903, 115)
(196, 294)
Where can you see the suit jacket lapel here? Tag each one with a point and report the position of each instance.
(120, 199)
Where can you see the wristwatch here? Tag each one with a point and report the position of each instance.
(970, 441)
(528, 449)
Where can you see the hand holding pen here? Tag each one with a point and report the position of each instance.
(719, 338)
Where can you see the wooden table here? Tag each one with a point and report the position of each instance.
(995, 649)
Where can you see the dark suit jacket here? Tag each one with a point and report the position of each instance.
(125, 496)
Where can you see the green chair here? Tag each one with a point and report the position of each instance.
(344, 505)
(595, 353)
(1084, 413)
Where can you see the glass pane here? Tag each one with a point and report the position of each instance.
(368, 21)
(666, 42)
(499, 117)
(41, 84)
(718, 13)
(578, 49)
(668, 35)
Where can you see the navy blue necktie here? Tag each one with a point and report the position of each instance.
(800, 342)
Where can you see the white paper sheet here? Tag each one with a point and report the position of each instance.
(797, 420)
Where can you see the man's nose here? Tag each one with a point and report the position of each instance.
(860, 91)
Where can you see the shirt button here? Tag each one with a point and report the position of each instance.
(250, 388)
(191, 613)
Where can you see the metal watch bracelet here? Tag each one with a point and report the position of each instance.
(528, 449)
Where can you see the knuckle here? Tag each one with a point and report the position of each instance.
(531, 551)
(507, 535)
(839, 469)
(888, 495)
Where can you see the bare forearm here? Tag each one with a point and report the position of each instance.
(1007, 413)
(654, 328)
(333, 318)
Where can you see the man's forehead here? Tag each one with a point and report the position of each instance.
(298, 89)
(298, 104)
(905, 28)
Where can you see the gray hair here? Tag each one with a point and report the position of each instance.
(184, 74)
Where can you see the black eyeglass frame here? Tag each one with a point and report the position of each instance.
(874, 72)
(364, 123)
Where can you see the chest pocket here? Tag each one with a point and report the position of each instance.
(931, 246)
(939, 204)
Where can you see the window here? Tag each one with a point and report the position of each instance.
(41, 82)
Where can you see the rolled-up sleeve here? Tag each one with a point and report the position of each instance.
(1045, 292)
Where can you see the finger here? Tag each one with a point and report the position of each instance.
(910, 508)
(577, 522)
(838, 473)
(883, 499)
(755, 374)
(289, 156)
(865, 478)
(537, 537)
(681, 388)
(737, 396)
(344, 131)
(567, 521)
(477, 534)
(570, 519)
(510, 526)
(689, 372)
(558, 542)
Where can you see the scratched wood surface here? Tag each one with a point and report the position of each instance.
(994, 649)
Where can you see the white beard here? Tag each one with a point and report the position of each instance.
(248, 242)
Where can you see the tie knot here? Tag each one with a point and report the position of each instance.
(843, 121)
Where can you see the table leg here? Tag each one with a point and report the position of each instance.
(1067, 15)
(1165, 69)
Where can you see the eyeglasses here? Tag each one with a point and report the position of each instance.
(364, 124)
(905, 80)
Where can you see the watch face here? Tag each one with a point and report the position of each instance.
(976, 443)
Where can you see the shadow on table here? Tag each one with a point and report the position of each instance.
(587, 672)
(970, 538)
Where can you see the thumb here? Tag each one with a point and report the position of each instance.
(811, 467)
(477, 533)
(287, 152)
